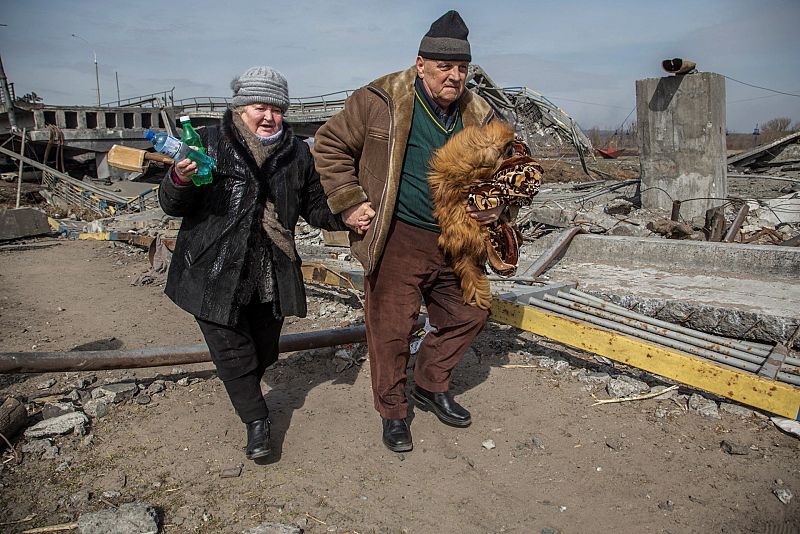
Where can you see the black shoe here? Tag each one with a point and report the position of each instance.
(443, 405)
(396, 435)
(257, 439)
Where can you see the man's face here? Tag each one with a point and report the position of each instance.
(443, 79)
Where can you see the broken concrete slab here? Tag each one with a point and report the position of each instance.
(116, 393)
(740, 291)
(129, 518)
(681, 256)
(57, 425)
(23, 222)
(274, 528)
(785, 209)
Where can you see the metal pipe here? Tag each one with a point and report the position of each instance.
(39, 362)
(765, 177)
(640, 325)
(737, 223)
(661, 340)
(588, 296)
(19, 176)
(547, 257)
(670, 326)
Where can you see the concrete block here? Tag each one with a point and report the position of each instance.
(22, 222)
(552, 216)
(681, 123)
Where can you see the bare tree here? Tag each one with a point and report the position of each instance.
(776, 125)
(595, 137)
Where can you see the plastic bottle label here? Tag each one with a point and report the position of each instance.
(172, 148)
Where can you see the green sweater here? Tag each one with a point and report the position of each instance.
(414, 204)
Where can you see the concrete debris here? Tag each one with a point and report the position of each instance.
(783, 494)
(57, 425)
(703, 406)
(44, 449)
(47, 384)
(734, 449)
(54, 409)
(667, 506)
(619, 206)
(96, 408)
(781, 210)
(231, 472)
(670, 229)
(129, 518)
(735, 409)
(116, 393)
(22, 222)
(787, 425)
(274, 528)
(625, 386)
(488, 444)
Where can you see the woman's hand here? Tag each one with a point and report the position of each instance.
(486, 216)
(184, 170)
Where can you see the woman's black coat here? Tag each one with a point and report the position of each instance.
(211, 249)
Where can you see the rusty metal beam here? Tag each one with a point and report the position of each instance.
(733, 231)
(548, 256)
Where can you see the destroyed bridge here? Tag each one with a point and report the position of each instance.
(97, 128)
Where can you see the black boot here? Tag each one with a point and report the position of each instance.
(443, 405)
(396, 435)
(257, 439)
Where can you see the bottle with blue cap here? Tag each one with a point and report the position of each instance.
(177, 150)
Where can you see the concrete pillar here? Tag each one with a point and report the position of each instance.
(681, 124)
(38, 119)
(101, 163)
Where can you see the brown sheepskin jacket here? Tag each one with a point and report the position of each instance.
(359, 152)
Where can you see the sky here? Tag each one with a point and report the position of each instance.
(585, 56)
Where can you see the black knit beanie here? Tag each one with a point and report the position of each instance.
(447, 39)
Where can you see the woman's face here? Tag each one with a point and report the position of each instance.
(263, 119)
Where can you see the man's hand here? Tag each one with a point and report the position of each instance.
(184, 169)
(486, 216)
(358, 217)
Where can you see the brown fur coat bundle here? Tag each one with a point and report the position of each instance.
(483, 166)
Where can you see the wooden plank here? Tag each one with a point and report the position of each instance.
(774, 397)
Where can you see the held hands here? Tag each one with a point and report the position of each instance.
(486, 216)
(184, 169)
(358, 217)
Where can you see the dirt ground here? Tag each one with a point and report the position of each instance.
(557, 463)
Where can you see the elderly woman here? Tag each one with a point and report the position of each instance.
(235, 266)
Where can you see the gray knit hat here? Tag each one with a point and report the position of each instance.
(447, 39)
(260, 85)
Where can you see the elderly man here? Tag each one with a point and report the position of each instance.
(372, 158)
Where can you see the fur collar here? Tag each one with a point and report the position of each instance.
(398, 87)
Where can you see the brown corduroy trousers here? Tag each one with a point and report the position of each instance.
(412, 270)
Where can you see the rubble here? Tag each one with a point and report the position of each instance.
(22, 222)
(57, 425)
(128, 518)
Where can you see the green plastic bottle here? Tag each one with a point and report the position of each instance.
(190, 137)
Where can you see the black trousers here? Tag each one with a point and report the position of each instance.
(242, 353)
